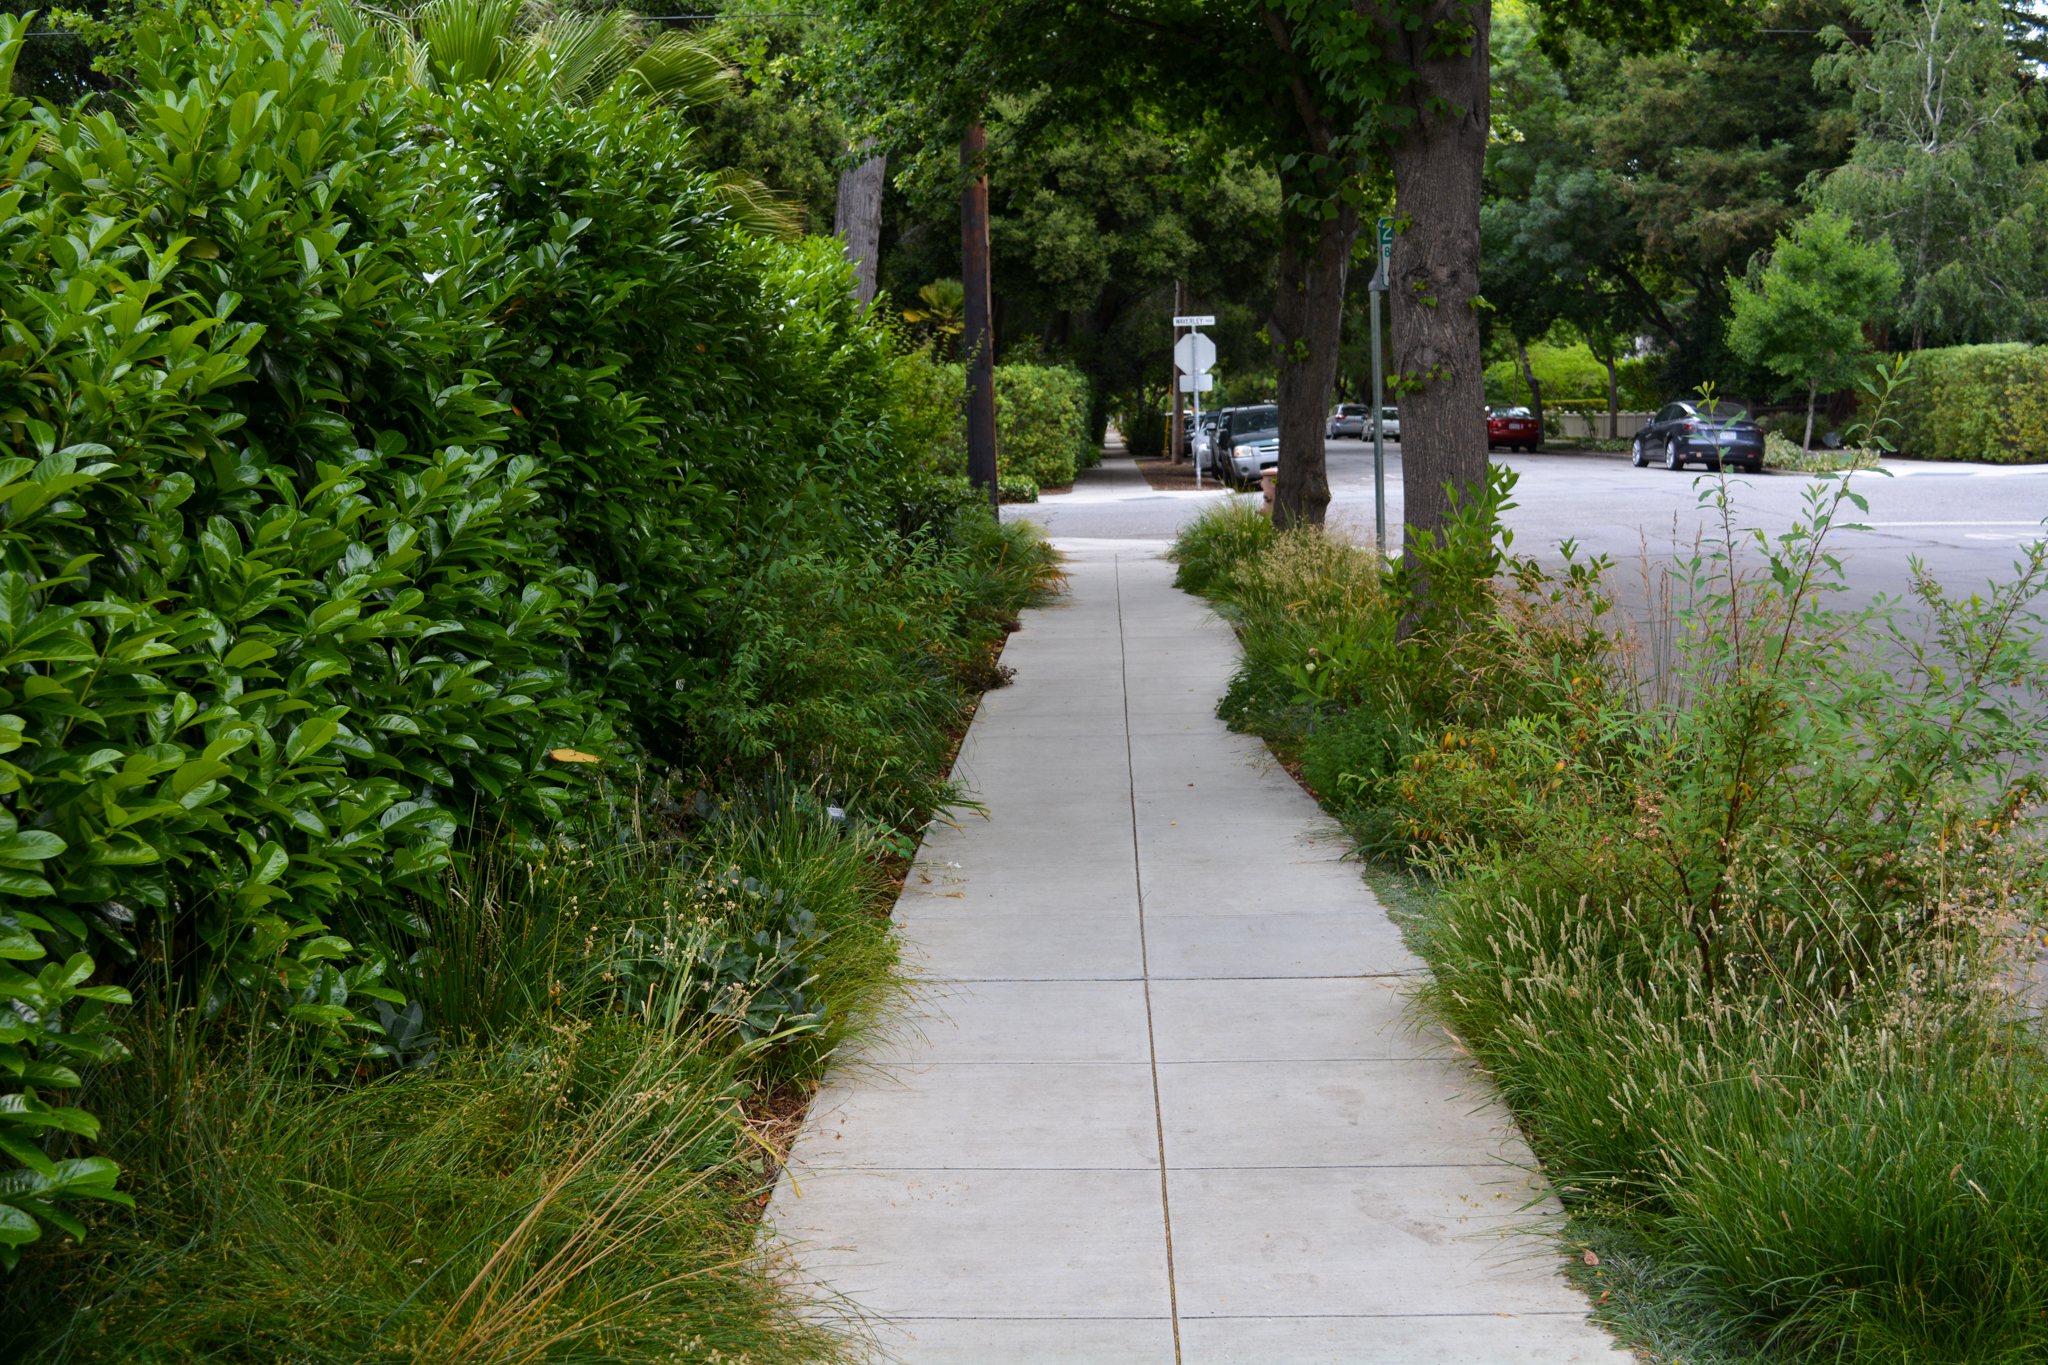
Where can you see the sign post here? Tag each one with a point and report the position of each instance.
(1379, 447)
(1194, 354)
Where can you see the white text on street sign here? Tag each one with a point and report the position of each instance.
(1204, 320)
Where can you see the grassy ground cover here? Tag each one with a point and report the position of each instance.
(1727, 902)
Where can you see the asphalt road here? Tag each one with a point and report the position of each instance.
(1965, 521)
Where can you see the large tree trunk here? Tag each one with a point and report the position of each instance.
(978, 341)
(1437, 164)
(1613, 397)
(1306, 324)
(1529, 378)
(857, 221)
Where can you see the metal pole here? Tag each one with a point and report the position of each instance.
(1379, 448)
(1195, 332)
(978, 341)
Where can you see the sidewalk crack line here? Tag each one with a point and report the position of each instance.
(1144, 958)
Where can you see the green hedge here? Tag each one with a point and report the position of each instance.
(1041, 424)
(1987, 403)
(378, 455)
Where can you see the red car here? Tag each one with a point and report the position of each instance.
(1513, 428)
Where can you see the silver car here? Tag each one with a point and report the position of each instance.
(1355, 420)
(1348, 419)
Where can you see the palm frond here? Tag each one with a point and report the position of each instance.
(754, 207)
(466, 40)
(348, 21)
(582, 56)
(677, 71)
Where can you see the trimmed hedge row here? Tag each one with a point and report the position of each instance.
(1982, 403)
(1041, 423)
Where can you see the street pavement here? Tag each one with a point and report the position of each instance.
(1966, 521)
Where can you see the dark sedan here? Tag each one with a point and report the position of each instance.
(1687, 431)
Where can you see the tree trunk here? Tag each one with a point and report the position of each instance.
(1305, 327)
(1173, 433)
(1438, 374)
(1613, 399)
(1535, 385)
(978, 342)
(1307, 321)
(1812, 392)
(857, 222)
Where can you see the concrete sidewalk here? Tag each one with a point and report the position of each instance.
(1165, 1106)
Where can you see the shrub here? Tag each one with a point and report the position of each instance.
(1144, 427)
(1975, 403)
(1781, 452)
(1225, 534)
(390, 455)
(1042, 422)
(1346, 755)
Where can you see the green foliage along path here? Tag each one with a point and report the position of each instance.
(380, 453)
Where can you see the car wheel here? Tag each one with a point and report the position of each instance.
(1674, 460)
(1640, 455)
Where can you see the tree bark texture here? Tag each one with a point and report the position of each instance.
(977, 340)
(1529, 378)
(1305, 326)
(1439, 379)
(1173, 433)
(1307, 320)
(857, 221)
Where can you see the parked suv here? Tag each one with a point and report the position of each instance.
(1685, 431)
(1247, 440)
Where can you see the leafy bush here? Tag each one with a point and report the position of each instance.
(1144, 428)
(1976, 403)
(1226, 533)
(387, 456)
(1781, 452)
(1042, 423)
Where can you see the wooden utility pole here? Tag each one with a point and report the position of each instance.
(978, 341)
(1174, 440)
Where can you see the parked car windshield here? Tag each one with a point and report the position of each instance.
(1255, 420)
(1721, 411)
(1350, 410)
(1510, 412)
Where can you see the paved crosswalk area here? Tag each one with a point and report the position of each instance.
(1162, 1102)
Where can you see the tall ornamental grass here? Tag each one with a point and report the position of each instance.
(1731, 907)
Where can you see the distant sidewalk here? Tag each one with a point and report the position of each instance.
(1165, 1105)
